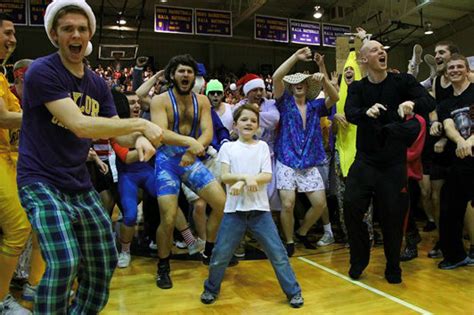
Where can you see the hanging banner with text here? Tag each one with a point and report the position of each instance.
(36, 11)
(175, 20)
(271, 28)
(16, 9)
(332, 31)
(213, 22)
(305, 32)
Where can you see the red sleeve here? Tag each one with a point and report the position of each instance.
(414, 152)
(120, 151)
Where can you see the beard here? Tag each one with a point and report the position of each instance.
(181, 91)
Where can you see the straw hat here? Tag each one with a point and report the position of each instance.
(313, 89)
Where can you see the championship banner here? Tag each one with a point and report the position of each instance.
(176, 20)
(213, 22)
(305, 32)
(15, 8)
(270, 28)
(332, 31)
(36, 10)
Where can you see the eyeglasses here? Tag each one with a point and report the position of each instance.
(218, 93)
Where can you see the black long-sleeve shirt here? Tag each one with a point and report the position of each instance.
(383, 141)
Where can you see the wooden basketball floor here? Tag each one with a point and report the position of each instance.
(251, 287)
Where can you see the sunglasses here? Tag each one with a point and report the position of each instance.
(218, 93)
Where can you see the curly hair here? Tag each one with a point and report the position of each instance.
(185, 60)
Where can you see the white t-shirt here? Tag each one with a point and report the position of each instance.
(226, 117)
(249, 159)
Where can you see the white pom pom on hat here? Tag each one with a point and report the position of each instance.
(54, 7)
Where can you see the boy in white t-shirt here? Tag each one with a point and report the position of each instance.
(246, 170)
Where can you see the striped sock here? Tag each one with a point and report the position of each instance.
(188, 236)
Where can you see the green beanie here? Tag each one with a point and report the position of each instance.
(214, 85)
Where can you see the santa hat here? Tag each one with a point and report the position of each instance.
(53, 9)
(250, 81)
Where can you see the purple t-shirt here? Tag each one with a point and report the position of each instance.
(48, 152)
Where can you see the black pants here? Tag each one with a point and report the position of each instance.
(388, 188)
(457, 191)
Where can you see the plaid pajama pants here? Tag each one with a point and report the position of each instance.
(76, 239)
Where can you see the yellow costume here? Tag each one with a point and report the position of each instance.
(346, 138)
(14, 223)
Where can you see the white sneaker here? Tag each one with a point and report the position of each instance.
(124, 260)
(416, 56)
(10, 306)
(29, 292)
(153, 246)
(196, 247)
(326, 240)
(180, 245)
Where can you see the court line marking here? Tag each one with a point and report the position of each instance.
(369, 288)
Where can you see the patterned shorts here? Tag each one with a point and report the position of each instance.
(305, 180)
(169, 174)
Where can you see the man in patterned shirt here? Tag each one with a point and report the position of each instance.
(299, 144)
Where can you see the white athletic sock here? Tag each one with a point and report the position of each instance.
(327, 228)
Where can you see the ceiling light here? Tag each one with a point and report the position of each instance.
(121, 21)
(318, 12)
(163, 1)
(428, 28)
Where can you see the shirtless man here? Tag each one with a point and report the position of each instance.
(186, 120)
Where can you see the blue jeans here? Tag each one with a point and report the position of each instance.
(231, 231)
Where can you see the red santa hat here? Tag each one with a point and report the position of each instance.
(250, 81)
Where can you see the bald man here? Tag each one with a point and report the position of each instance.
(381, 105)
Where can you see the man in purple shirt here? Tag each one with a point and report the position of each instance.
(299, 146)
(65, 106)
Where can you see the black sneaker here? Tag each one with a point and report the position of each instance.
(393, 278)
(296, 300)
(290, 249)
(435, 252)
(208, 297)
(409, 253)
(163, 280)
(355, 272)
(206, 260)
(430, 226)
(449, 265)
(303, 239)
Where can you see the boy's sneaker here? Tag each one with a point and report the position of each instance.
(124, 259)
(163, 280)
(206, 260)
(208, 297)
(29, 292)
(449, 265)
(296, 300)
(326, 240)
(196, 247)
(240, 251)
(10, 306)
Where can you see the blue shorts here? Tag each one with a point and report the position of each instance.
(169, 173)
